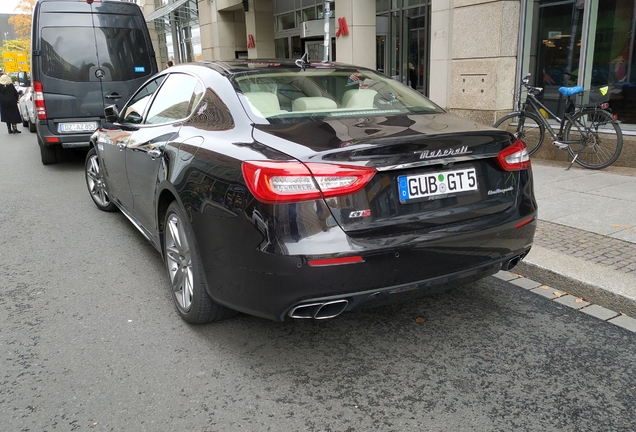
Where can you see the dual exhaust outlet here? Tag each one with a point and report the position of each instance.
(331, 309)
(323, 310)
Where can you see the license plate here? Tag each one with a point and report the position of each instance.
(78, 127)
(432, 185)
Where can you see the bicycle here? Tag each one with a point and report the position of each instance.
(589, 131)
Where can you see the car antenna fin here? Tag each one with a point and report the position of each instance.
(303, 62)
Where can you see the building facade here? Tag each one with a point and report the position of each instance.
(466, 55)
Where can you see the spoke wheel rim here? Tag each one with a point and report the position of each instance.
(179, 262)
(95, 181)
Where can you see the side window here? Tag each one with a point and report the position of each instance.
(134, 111)
(174, 100)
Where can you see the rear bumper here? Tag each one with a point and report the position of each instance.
(270, 285)
(49, 138)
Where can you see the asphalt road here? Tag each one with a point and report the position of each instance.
(90, 340)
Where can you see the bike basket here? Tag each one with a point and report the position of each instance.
(594, 96)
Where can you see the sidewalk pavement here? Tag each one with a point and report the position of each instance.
(585, 243)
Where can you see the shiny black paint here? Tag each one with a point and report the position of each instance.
(255, 256)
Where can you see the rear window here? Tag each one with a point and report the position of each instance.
(69, 53)
(290, 96)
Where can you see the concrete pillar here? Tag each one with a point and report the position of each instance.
(205, 26)
(222, 31)
(358, 47)
(441, 53)
(483, 61)
(259, 22)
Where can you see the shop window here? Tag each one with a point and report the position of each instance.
(282, 47)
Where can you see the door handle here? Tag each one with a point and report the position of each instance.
(154, 153)
(114, 96)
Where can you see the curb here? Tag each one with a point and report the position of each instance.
(569, 299)
(593, 293)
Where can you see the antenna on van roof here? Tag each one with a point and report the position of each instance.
(303, 62)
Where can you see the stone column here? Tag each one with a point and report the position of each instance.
(358, 47)
(483, 58)
(441, 54)
(222, 30)
(259, 22)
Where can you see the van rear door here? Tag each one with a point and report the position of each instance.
(124, 51)
(91, 55)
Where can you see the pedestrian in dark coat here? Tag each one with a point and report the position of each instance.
(9, 112)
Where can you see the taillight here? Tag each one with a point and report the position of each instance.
(40, 110)
(274, 182)
(514, 158)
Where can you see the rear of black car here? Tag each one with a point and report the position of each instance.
(86, 55)
(353, 203)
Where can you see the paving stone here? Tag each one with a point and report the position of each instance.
(525, 283)
(600, 312)
(625, 322)
(571, 301)
(606, 251)
(506, 275)
(547, 292)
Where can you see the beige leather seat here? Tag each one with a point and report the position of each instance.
(313, 104)
(265, 102)
(360, 99)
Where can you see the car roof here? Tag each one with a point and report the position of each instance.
(230, 67)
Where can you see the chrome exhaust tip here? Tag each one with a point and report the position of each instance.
(324, 310)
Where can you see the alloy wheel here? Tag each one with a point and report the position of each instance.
(179, 262)
(95, 181)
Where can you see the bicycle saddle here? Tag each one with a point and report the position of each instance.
(570, 91)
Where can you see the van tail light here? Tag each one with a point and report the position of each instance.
(514, 157)
(40, 109)
(279, 182)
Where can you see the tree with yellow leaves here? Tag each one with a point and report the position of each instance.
(22, 21)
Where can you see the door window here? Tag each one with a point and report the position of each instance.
(68, 53)
(175, 100)
(134, 111)
(123, 52)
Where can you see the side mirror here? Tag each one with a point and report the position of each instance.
(23, 79)
(111, 113)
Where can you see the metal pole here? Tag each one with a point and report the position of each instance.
(327, 11)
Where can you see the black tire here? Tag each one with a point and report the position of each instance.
(95, 182)
(185, 271)
(31, 127)
(48, 154)
(594, 137)
(532, 131)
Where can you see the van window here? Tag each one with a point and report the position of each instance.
(68, 53)
(124, 52)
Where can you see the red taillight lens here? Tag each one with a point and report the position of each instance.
(274, 182)
(40, 110)
(514, 157)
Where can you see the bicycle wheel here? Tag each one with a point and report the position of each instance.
(531, 131)
(595, 137)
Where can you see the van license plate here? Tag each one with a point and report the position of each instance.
(434, 184)
(77, 127)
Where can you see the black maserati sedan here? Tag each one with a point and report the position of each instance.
(290, 189)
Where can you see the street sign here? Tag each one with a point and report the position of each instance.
(15, 62)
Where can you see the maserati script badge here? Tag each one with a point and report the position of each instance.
(427, 154)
